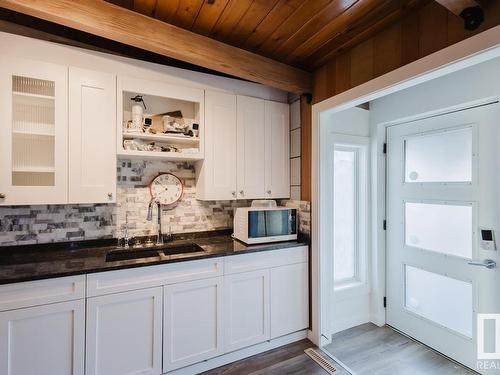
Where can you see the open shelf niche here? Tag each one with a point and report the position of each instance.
(155, 141)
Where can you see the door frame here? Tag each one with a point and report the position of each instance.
(477, 49)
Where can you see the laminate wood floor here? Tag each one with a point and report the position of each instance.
(288, 359)
(372, 350)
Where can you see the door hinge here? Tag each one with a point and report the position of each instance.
(385, 148)
(385, 302)
(385, 224)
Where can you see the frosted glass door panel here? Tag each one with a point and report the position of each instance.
(442, 228)
(439, 157)
(344, 214)
(441, 299)
(33, 132)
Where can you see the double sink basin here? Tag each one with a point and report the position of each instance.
(121, 255)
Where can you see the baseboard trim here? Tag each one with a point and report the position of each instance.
(239, 354)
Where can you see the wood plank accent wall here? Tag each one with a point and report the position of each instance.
(418, 34)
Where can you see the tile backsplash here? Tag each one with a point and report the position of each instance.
(54, 223)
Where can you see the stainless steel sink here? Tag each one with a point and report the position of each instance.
(120, 255)
(182, 249)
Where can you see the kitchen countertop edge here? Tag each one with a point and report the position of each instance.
(215, 247)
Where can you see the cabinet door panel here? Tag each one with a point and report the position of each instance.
(124, 333)
(193, 325)
(251, 158)
(33, 135)
(289, 299)
(47, 339)
(217, 177)
(92, 145)
(246, 313)
(277, 150)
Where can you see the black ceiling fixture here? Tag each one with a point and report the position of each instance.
(473, 17)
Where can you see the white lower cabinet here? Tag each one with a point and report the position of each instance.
(289, 299)
(176, 320)
(124, 333)
(45, 340)
(246, 309)
(193, 323)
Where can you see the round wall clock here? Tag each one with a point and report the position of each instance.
(166, 188)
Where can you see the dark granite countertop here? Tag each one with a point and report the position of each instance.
(35, 262)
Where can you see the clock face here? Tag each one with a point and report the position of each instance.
(166, 188)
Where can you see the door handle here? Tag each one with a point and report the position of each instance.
(488, 263)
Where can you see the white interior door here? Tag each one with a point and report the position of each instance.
(442, 189)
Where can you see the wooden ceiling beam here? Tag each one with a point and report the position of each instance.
(122, 25)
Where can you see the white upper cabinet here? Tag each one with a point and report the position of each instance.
(92, 146)
(277, 150)
(247, 149)
(216, 174)
(33, 132)
(251, 157)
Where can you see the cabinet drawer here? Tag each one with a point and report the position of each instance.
(41, 292)
(146, 277)
(265, 259)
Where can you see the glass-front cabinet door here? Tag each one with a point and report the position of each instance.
(33, 132)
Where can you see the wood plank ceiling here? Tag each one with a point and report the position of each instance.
(301, 33)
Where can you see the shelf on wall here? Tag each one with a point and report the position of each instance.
(33, 169)
(39, 96)
(163, 138)
(173, 156)
(36, 133)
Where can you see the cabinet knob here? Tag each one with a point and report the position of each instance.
(269, 192)
(110, 195)
(234, 194)
(242, 193)
(2, 196)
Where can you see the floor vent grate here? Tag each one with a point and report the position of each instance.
(325, 363)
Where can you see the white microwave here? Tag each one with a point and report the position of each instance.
(253, 225)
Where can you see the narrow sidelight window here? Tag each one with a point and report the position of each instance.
(349, 213)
